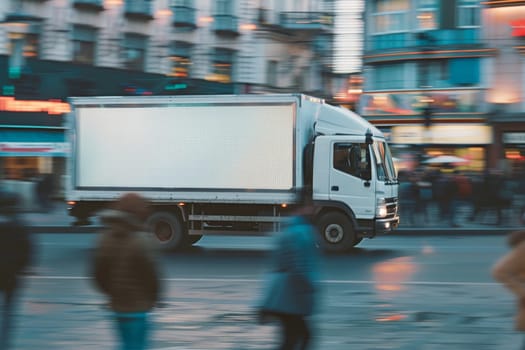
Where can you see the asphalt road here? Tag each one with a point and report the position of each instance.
(391, 293)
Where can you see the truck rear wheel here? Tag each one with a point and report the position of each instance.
(168, 229)
(337, 233)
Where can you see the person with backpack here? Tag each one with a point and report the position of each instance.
(16, 250)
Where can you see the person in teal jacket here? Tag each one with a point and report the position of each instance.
(292, 286)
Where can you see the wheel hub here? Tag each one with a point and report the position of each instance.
(163, 231)
(333, 233)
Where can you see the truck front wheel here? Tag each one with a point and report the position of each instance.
(337, 233)
(168, 229)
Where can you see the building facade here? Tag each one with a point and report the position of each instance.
(54, 49)
(503, 30)
(426, 77)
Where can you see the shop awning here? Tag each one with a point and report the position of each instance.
(33, 142)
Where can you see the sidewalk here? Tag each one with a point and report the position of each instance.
(57, 220)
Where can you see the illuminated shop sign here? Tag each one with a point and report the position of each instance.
(514, 137)
(411, 103)
(518, 27)
(42, 148)
(456, 134)
(9, 104)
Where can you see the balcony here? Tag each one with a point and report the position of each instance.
(184, 17)
(449, 37)
(305, 21)
(226, 25)
(137, 9)
(89, 5)
(426, 41)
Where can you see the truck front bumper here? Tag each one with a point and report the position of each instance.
(386, 225)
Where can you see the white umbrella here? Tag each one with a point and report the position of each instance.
(445, 159)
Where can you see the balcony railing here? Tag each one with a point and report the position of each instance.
(449, 37)
(140, 9)
(183, 16)
(426, 40)
(305, 20)
(95, 5)
(225, 24)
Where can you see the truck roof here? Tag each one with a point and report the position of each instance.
(338, 120)
(164, 99)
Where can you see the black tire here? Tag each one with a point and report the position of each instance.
(336, 232)
(192, 239)
(168, 230)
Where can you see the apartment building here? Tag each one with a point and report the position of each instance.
(53, 49)
(504, 31)
(426, 65)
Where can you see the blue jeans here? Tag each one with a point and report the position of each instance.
(6, 317)
(133, 329)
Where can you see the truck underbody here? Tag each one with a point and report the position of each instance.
(181, 225)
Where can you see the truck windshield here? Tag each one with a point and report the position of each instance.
(384, 163)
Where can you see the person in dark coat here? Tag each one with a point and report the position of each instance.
(292, 286)
(126, 270)
(15, 256)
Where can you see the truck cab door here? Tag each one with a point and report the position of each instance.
(351, 176)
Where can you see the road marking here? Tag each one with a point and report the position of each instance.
(251, 280)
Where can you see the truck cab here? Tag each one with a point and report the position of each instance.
(354, 180)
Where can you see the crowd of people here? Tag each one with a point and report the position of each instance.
(429, 196)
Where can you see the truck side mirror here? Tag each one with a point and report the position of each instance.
(368, 137)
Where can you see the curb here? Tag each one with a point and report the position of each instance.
(64, 229)
(443, 231)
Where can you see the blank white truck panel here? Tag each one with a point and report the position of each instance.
(218, 147)
(238, 149)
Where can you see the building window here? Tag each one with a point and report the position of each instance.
(181, 59)
(427, 14)
(31, 45)
(224, 7)
(390, 16)
(468, 13)
(389, 76)
(182, 3)
(271, 73)
(135, 51)
(433, 74)
(84, 44)
(223, 63)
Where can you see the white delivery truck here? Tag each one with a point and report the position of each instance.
(231, 164)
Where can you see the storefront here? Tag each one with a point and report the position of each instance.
(32, 140)
(508, 151)
(412, 144)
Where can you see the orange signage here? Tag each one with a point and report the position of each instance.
(518, 27)
(9, 104)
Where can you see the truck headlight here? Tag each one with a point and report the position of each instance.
(381, 210)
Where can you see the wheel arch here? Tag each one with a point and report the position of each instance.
(328, 206)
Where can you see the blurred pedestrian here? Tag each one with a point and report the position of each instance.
(510, 270)
(408, 196)
(291, 288)
(126, 269)
(44, 191)
(447, 194)
(15, 255)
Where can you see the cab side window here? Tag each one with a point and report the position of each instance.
(352, 159)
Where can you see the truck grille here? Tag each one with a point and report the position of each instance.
(391, 207)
